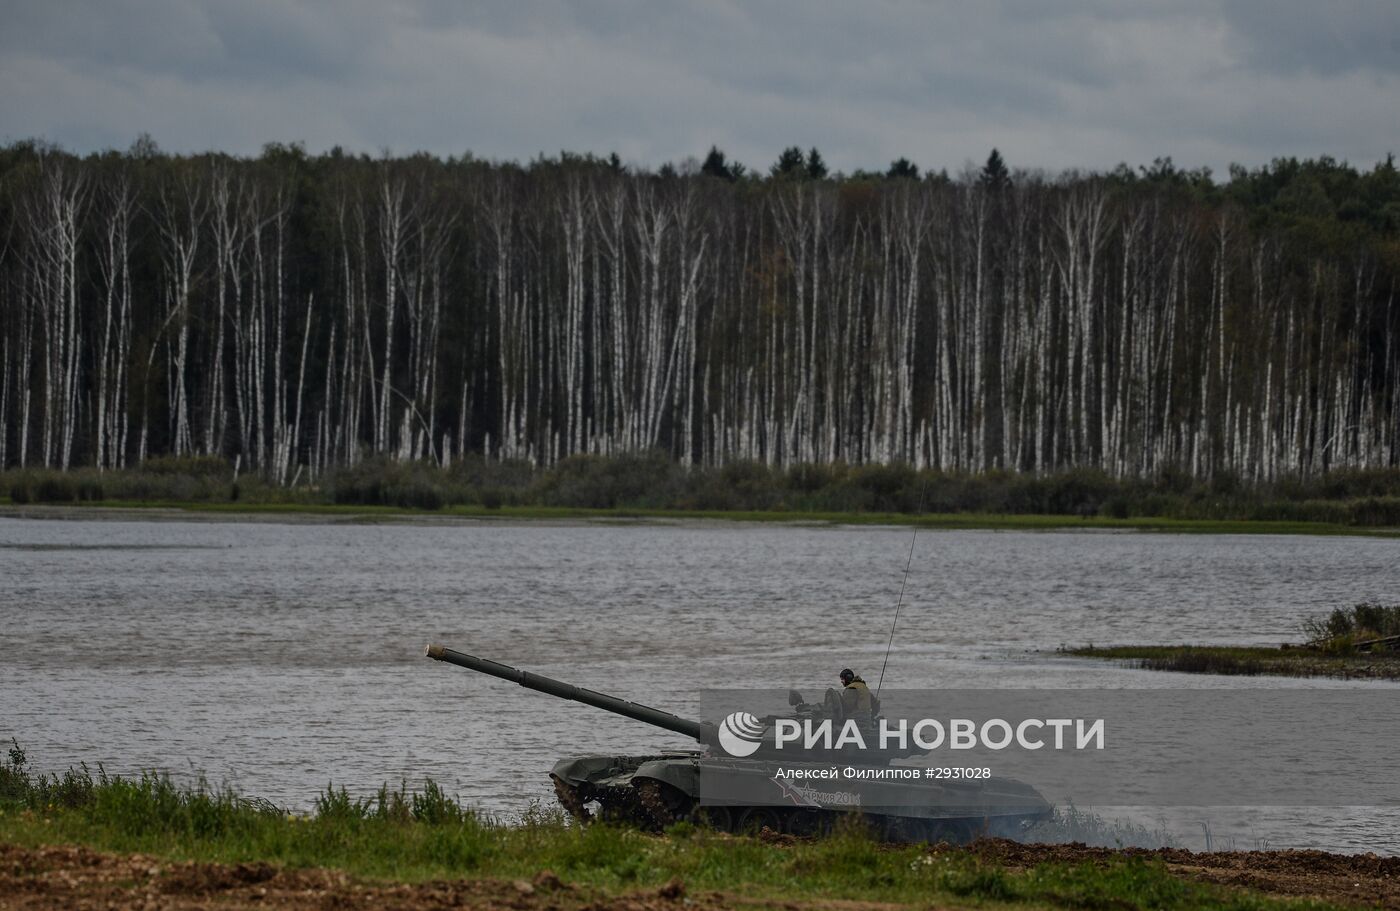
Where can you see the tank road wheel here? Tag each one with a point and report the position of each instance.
(572, 801)
(755, 819)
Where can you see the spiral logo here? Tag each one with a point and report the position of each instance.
(740, 734)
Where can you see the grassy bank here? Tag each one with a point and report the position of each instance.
(1359, 642)
(653, 485)
(426, 835)
(1248, 661)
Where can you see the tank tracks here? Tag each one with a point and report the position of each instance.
(648, 805)
(623, 806)
(654, 806)
(572, 801)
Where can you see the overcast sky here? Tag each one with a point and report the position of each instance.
(1054, 84)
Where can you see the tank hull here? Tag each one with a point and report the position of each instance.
(656, 790)
(735, 795)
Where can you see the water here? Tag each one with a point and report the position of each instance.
(278, 656)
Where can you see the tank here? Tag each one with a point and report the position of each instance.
(707, 786)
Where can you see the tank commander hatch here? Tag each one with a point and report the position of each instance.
(855, 698)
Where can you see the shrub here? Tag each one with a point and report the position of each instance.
(1174, 479)
(886, 483)
(753, 484)
(596, 482)
(204, 467)
(1342, 627)
(382, 481)
(87, 484)
(14, 776)
(1078, 492)
(22, 490)
(56, 488)
(1225, 483)
(476, 472)
(1376, 511)
(810, 477)
(740, 485)
(1117, 507)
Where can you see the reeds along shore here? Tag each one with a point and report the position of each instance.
(654, 482)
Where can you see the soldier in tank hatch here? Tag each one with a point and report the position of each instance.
(856, 698)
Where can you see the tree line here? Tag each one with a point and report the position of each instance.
(297, 313)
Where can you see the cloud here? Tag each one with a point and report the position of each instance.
(1075, 84)
(1326, 38)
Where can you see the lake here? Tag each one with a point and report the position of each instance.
(280, 655)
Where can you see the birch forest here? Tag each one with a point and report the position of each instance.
(299, 313)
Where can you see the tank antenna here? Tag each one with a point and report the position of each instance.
(907, 563)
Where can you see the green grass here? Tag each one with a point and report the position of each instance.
(1248, 661)
(399, 835)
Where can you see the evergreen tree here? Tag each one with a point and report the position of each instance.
(1382, 188)
(995, 177)
(715, 165)
(789, 164)
(816, 168)
(903, 167)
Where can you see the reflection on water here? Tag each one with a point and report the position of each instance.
(280, 657)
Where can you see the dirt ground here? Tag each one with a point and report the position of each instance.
(1363, 879)
(78, 878)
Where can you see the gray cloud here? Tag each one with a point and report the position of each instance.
(1074, 84)
(1320, 38)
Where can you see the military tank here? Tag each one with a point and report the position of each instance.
(745, 794)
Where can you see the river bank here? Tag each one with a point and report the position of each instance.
(97, 840)
(1246, 661)
(214, 856)
(193, 510)
(46, 876)
(654, 485)
(1361, 642)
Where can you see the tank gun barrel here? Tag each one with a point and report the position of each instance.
(558, 688)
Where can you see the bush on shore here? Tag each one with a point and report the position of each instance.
(1342, 630)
